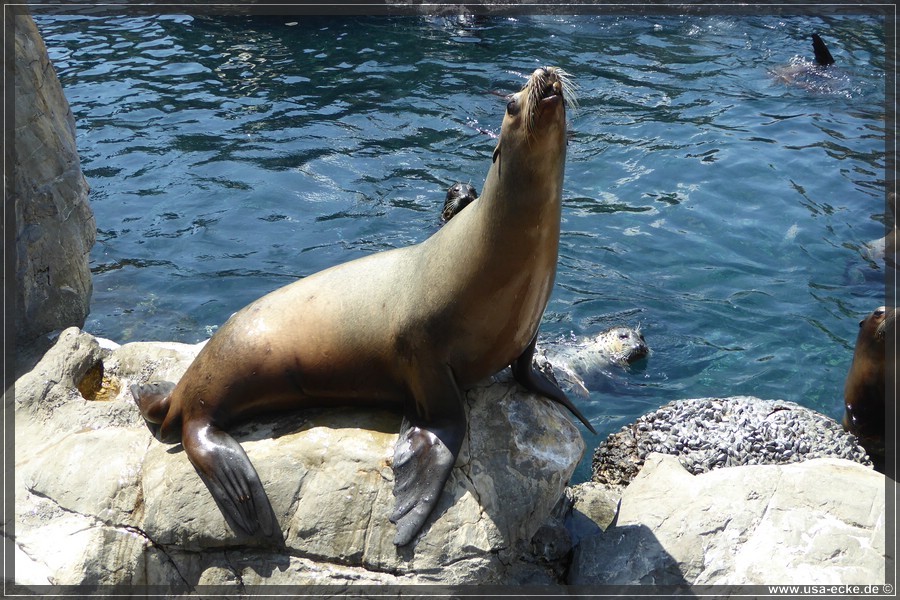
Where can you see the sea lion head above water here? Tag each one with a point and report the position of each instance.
(624, 345)
(459, 196)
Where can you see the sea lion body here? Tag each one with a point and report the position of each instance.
(864, 388)
(349, 333)
(410, 327)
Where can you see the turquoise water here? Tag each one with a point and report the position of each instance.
(718, 207)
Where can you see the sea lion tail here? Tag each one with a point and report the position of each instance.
(823, 56)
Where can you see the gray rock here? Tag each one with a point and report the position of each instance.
(710, 433)
(821, 521)
(55, 227)
(596, 502)
(100, 501)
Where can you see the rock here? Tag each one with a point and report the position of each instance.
(821, 521)
(709, 433)
(55, 227)
(100, 501)
(596, 502)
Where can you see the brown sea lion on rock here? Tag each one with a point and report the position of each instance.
(411, 327)
(864, 389)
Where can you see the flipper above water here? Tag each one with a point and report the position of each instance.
(823, 56)
(537, 382)
(233, 482)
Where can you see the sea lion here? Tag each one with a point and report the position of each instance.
(411, 327)
(459, 196)
(818, 75)
(864, 389)
(885, 248)
(576, 365)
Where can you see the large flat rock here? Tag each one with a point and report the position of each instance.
(821, 521)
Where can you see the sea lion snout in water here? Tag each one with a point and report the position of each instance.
(459, 196)
(864, 389)
(410, 328)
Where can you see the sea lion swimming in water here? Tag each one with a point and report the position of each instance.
(411, 328)
(819, 75)
(885, 248)
(578, 366)
(459, 196)
(864, 389)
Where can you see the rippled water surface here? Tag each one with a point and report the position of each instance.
(719, 206)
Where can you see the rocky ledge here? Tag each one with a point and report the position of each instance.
(100, 502)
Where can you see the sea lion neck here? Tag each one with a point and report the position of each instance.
(524, 182)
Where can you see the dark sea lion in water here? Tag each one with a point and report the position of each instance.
(459, 196)
(864, 389)
(411, 327)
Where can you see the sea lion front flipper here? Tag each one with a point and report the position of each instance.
(424, 456)
(823, 56)
(228, 473)
(535, 381)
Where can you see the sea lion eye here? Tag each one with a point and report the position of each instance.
(512, 107)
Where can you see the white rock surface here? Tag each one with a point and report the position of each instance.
(821, 521)
(100, 501)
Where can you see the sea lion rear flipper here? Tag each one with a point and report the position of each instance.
(424, 456)
(228, 473)
(535, 381)
(823, 56)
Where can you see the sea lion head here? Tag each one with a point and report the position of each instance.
(864, 388)
(459, 196)
(535, 119)
(874, 326)
(624, 345)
